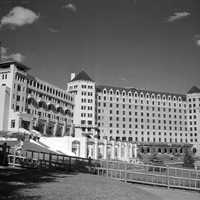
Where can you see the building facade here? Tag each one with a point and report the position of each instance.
(138, 116)
(33, 103)
(142, 116)
(107, 115)
(83, 89)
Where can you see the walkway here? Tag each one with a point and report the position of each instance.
(46, 185)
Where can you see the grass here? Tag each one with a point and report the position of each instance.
(50, 185)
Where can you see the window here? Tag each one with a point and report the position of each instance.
(18, 98)
(82, 121)
(12, 123)
(17, 108)
(18, 88)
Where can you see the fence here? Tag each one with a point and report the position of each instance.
(35, 159)
(150, 174)
(139, 173)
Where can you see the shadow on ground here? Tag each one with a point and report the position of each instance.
(12, 180)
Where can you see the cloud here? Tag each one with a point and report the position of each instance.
(71, 7)
(178, 16)
(197, 39)
(53, 30)
(19, 16)
(14, 56)
(17, 57)
(198, 42)
(123, 79)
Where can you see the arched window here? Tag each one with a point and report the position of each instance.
(117, 92)
(123, 93)
(174, 98)
(104, 91)
(135, 94)
(164, 97)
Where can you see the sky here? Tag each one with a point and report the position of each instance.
(146, 44)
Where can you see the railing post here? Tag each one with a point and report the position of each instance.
(168, 177)
(50, 159)
(70, 159)
(125, 173)
(107, 167)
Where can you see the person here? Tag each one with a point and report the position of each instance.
(4, 154)
(89, 163)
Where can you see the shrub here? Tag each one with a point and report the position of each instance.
(188, 160)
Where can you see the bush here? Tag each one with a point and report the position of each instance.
(188, 160)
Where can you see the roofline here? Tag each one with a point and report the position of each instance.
(18, 65)
(131, 89)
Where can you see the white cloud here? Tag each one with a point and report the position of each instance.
(17, 57)
(14, 56)
(19, 16)
(123, 79)
(178, 16)
(197, 39)
(53, 30)
(198, 42)
(70, 6)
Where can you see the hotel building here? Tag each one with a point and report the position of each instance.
(28, 102)
(110, 114)
(134, 115)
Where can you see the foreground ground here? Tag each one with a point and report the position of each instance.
(46, 185)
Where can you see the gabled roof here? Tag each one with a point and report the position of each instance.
(194, 89)
(82, 76)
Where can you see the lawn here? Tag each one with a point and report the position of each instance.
(58, 185)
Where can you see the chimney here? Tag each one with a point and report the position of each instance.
(73, 75)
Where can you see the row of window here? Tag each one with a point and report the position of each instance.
(142, 139)
(86, 107)
(141, 133)
(45, 114)
(142, 95)
(159, 109)
(84, 122)
(143, 114)
(86, 115)
(193, 99)
(49, 89)
(84, 100)
(3, 76)
(142, 120)
(46, 98)
(136, 126)
(141, 101)
(87, 93)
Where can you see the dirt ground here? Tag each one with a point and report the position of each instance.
(19, 184)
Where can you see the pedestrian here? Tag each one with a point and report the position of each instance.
(4, 154)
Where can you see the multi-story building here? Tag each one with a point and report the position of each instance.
(141, 116)
(33, 103)
(83, 89)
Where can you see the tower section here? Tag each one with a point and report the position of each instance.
(83, 89)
